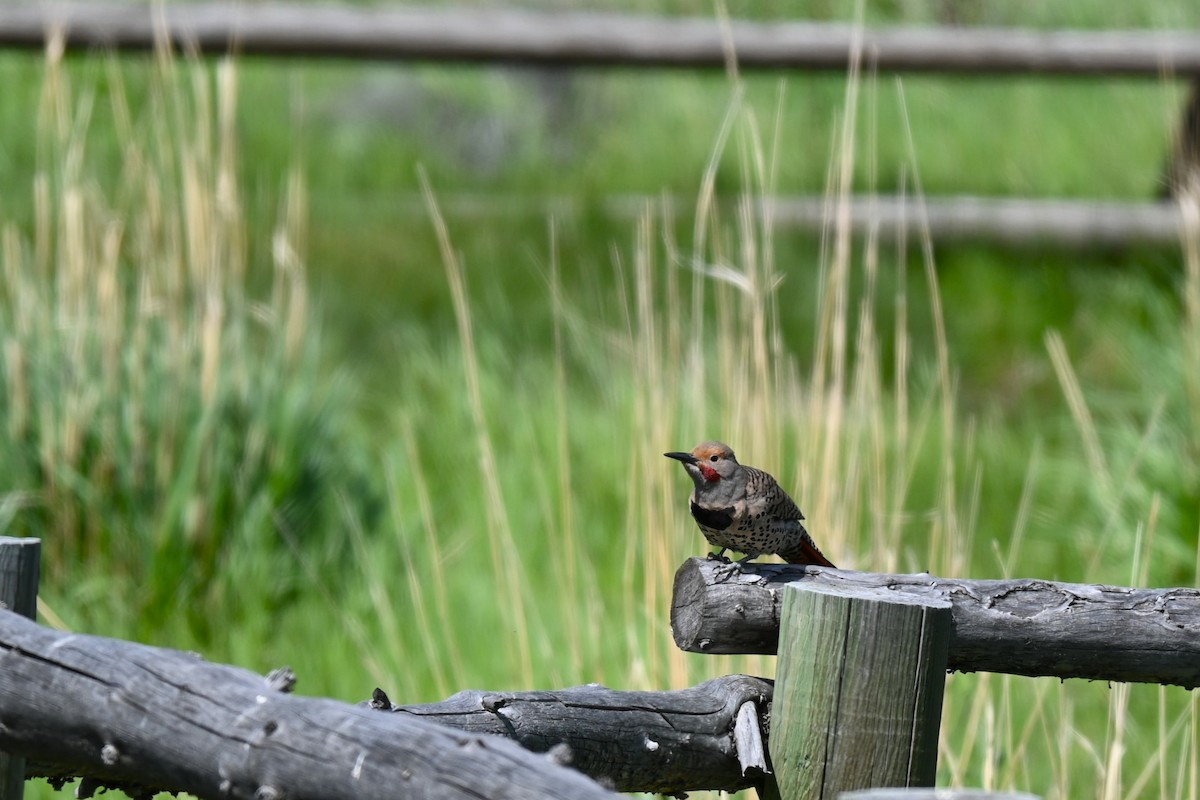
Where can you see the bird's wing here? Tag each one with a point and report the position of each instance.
(782, 506)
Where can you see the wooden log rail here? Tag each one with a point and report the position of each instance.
(708, 737)
(145, 719)
(1021, 627)
(1009, 221)
(552, 38)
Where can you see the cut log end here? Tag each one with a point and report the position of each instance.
(716, 609)
(687, 605)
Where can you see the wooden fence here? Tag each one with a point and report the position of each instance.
(561, 39)
(314, 30)
(855, 705)
(863, 657)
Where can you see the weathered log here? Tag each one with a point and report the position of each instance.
(659, 742)
(557, 38)
(1020, 627)
(123, 713)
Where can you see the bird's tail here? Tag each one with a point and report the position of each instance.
(806, 552)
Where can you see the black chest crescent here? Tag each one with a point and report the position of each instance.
(716, 518)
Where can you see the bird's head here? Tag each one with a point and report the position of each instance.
(708, 462)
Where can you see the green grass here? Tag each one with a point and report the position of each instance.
(159, 420)
(270, 396)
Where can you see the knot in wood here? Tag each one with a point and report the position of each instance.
(492, 703)
(379, 700)
(281, 679)
(109, 755)
(561, 754)
(268, 792)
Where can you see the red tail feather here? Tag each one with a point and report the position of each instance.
(808, 554)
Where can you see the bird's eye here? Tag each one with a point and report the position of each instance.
(714, 457)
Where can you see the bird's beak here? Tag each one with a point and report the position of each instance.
(686, 458)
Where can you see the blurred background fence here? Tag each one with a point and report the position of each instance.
(564, 40)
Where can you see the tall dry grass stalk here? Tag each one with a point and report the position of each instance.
(501, 542)
(1189, 205)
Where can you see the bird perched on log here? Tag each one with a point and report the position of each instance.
(744, 509)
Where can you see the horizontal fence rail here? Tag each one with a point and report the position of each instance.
(1070, 223)
(1009, 221)
(147, 719)
(574, 38)
(1018, 627)
(143, 719)
(708, 737)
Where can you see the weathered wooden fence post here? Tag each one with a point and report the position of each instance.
(858, 690)
(20, 563)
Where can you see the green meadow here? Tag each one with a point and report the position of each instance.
(354, 368)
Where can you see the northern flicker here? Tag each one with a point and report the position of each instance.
(744, 509)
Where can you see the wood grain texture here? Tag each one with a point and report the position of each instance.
(1021, 627)
(131, 715)
(20, 571)
(858, 690)
(549, 38)
(660, 742)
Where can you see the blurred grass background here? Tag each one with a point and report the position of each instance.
(274, 393)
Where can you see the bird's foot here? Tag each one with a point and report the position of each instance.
(726, 570)
(719, 556)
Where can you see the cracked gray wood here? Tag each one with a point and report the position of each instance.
(123, 713)
(660, 742)
(859, 688)
(1020, 626)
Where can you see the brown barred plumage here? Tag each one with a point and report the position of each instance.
(744, 509)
